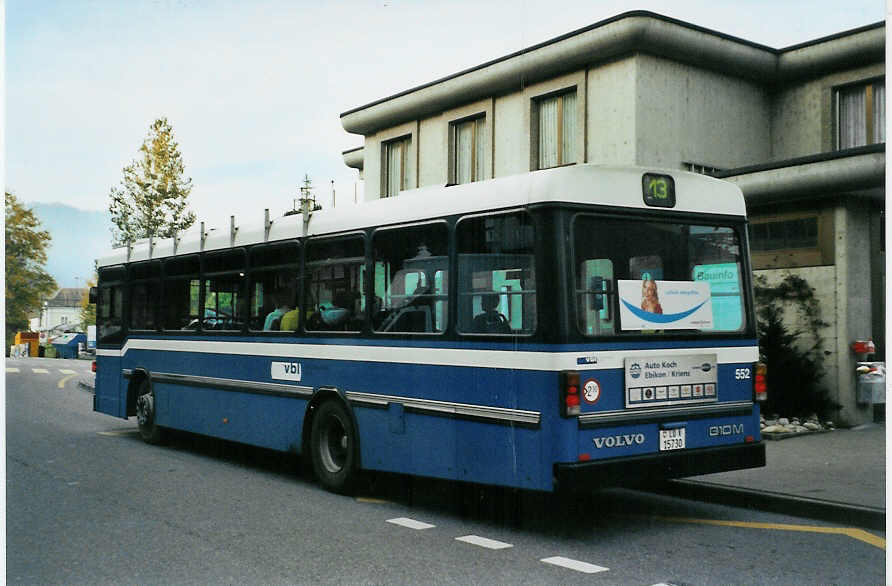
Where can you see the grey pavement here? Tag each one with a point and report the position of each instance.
(843, 466)
(836, 475)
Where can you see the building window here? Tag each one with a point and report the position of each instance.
(556, 121)
(861, 114)
(702, 169)
(63, 320)
(396, 166)
(468, 151)
(784, 235)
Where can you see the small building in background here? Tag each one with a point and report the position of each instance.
(60, 313)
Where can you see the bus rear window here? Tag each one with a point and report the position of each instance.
(652, 277)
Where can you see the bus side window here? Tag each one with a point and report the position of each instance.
(496, 275)
(181, 293)
(274, 288)
(110, 308)
(223, 291)
(335, 277)
(594, 288)
(411, 288)
(145, 293)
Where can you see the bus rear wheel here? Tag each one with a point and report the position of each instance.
(150, 432)
(333, 447)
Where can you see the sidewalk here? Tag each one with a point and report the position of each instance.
(838, 475)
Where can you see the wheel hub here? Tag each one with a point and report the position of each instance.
(145, 408)
(334, 446)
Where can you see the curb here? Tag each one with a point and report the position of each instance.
(773, 502)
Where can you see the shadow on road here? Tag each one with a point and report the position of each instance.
(566, 515)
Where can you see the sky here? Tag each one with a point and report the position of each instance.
(254, 90)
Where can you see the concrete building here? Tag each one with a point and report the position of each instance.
(801, 130)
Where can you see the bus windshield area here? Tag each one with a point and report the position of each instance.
(656, 277)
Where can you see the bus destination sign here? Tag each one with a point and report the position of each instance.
(658, 189)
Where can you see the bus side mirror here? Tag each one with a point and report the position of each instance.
(94, 295)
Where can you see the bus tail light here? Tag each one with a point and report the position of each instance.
(569, 393)
(761, 386)
(93, 366)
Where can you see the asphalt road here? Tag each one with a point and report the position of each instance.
(89, 503)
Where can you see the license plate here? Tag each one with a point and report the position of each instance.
(672, 439)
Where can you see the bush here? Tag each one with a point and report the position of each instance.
(795, 375)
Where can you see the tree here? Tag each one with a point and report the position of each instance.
(150, 201)
(27, 282)
(88, 310)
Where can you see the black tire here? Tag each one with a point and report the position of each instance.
(333, 448)
(145, 414)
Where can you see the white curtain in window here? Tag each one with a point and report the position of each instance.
(464, 151)
(396, 172)
(568, 146)
(480, 150)
(879, 112)
(548, 125)
(852, 117)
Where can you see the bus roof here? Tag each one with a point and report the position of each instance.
(578, 184)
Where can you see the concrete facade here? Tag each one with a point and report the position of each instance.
(655, 91)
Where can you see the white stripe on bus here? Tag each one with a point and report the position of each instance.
(516, 359)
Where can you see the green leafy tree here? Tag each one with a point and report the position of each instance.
(151, 198)
(88, 310)
(27, 282)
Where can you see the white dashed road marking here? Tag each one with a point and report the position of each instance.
(484, 542)
(40, 371)
(11, 369)
(66, 371)
(118, 432)
(410, 523)
(574, 565)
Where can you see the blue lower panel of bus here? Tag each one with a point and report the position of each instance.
(396, 440)
(260, 420)
(465, 422)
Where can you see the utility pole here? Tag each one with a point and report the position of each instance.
(307, 201)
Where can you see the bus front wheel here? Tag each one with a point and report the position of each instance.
(333, 447)
(145, 414)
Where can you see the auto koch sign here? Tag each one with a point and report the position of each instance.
(665, 305)
(660, 379)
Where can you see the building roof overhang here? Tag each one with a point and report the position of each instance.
(354, 158)
(625, 34)
(857, 172)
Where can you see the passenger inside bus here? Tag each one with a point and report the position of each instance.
(274, 317)
(491, 321)
(290, 320)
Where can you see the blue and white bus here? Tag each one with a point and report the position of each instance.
(562, 329)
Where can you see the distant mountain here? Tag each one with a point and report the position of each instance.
(78, 238)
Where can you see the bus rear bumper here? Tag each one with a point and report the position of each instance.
(581, 476)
